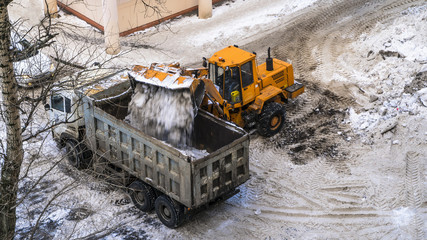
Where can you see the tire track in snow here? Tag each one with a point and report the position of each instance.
(414, 193)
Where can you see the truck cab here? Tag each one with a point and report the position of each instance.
(65, 108)
(65, 114)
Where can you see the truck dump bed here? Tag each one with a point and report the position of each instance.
(190, 180)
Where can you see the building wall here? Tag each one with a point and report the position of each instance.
(88, 10)
(133, 15)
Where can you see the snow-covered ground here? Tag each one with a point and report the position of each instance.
(185, 39)
(232, 23)
(361, 147)
(393, 53)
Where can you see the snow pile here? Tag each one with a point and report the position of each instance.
(363, 120)
(195, 153)
(171, 81)
(423, 96)
(164, 114)
(402, 38)
(394, 56)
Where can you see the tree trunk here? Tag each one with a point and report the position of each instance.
(11, 166)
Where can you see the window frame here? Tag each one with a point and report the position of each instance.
(63, 106)
(246, 75)
(57, 103)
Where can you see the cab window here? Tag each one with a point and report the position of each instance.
(67, 105)
(57, 102)
(61, 103)
(232, 87)
(247, 74)
(216, 74)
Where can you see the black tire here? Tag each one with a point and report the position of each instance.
(86, 157)
(170, 213)
(271, 119)
(78, 155)
(73, 153)
(142, 196)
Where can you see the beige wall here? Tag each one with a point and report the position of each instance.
(131, 16)
(91, 9)
(132, 13)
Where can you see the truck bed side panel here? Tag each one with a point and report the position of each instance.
(221, 172)
(138, 154)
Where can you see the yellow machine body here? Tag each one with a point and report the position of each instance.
(256, 85)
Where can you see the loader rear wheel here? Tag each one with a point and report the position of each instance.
(170, 212)
(271, 119)
(142, 196)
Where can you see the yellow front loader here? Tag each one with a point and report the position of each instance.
(233, 87)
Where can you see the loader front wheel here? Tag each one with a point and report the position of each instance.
(271, 119)
(142, 196)
(170, 212)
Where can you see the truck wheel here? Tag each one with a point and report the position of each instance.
(142, 196)
(73, 153)
(271, 119)
(170, 213)
(86, 157)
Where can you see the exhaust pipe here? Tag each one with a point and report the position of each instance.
(269, 62)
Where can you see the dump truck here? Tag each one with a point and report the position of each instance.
(89, 121)
(232, 87)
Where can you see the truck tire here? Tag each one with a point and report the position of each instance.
(170, 212)
(73, 153)
(142, 196)
(86, 157)
(78, 155)
(271, 119)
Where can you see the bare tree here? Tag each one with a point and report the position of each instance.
(12, 160)
(19, 108)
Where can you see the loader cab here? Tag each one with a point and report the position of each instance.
(233, 72)
(227, 82)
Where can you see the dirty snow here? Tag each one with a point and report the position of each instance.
(394, 53)
(162, 113)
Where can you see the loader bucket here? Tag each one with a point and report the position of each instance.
(169, 78)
